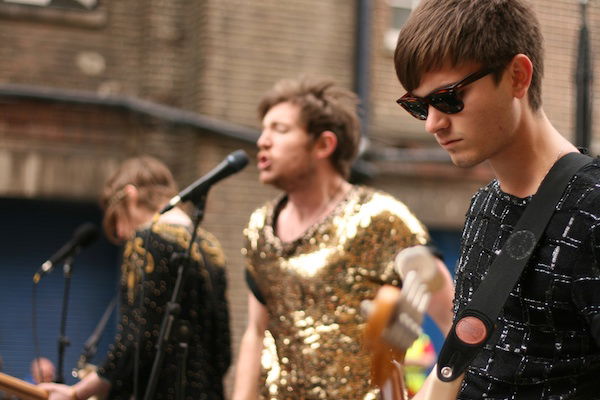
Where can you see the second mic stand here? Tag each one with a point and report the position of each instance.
(63, 340)
(172, 311)
(90, 346)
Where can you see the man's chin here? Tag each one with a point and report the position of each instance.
(464, 162)
(264, 176)
(267, 179)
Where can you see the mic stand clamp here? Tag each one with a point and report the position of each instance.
(182, 336)
(90, 346)
(172, 311)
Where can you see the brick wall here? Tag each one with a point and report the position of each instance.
(248, 45)
(217, 57)
(559, 20)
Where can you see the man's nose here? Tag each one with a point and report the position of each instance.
(436, 120)
(264, 140)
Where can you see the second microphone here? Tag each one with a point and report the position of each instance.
(233, 163)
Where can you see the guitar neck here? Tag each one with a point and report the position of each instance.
(395, 317)
(21, 389)
(393, 388)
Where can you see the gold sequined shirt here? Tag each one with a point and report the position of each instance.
(313, 286)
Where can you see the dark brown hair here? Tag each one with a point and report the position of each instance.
(488, 32)
(324, 106)
(151, 177)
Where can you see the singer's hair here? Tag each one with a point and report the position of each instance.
(153, 180)
(324, 106)
(442, 33)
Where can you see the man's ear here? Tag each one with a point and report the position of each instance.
(521, 72)
(326, 144)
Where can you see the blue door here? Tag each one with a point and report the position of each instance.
(31, 232)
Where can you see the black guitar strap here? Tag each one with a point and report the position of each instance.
(474, 325)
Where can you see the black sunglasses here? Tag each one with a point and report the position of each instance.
(446, 99)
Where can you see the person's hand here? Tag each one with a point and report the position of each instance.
(58, 391)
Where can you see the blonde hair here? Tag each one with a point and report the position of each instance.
(151, 177)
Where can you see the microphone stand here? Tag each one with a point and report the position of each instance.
(172, 311)
(91, 345)
(63, 340)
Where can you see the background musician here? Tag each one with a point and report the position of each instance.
(130, 199)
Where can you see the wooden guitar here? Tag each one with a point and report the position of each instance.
(386, 360)
(21, 389)
(394, 320)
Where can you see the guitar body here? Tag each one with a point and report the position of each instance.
(386, 361)
(21, 389)
(394, 321)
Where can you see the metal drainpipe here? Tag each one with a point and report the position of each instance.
(363, 61)
(583, 83)
(363, 170)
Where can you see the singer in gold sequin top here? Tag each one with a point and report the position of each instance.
(316, 251)
(312, 288)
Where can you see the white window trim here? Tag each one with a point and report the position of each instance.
(391, 33)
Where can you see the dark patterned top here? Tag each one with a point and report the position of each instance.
(312, 288)
(543, 346)
(207, 314)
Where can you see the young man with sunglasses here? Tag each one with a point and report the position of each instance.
(473, 71)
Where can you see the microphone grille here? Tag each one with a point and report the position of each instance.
(238, 160)
(85, 234)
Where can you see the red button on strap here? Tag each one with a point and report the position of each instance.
(471, 330)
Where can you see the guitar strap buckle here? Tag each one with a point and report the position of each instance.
(466, 337)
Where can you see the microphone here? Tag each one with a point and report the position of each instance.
(83, 236)
(233, 163)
